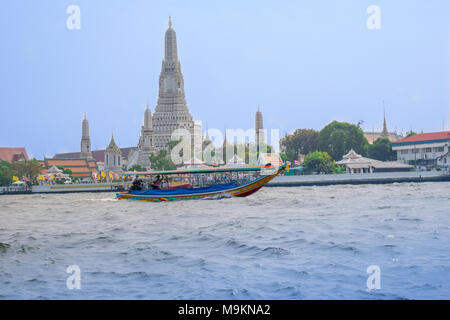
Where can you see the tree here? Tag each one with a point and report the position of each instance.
(65, 171)
(410, 133)
(6, 173)
(337, 138)
(172, 143)
(28, 168)
(318, 162)
(381, 149)
(161, 161)
(302, 141)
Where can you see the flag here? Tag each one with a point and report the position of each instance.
(297, 163)
(110, 175)
(103, 174)
(41, 177)
(52, 176)
(15, 178)
(287, 168)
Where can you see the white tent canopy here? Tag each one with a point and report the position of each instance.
(236, 161)
(193, 162)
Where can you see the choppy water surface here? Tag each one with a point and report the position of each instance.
(280, 243)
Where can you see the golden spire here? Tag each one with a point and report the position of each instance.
(170, 22)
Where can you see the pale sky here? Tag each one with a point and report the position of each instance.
(305, 63)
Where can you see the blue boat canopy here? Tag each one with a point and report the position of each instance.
(183, 191)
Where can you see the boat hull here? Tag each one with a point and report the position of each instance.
(235, 191)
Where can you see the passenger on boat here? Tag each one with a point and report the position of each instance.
(157, 183)
(137, 184)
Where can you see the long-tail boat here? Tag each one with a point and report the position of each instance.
(210, 183)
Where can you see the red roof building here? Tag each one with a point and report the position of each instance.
(423, 149)
(13, 154)
(431, 137)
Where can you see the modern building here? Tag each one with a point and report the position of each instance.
(424, 149)
(355, 163)
(444, 161)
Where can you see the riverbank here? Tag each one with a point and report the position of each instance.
(280, 181)
(358, 178)
(66, 188)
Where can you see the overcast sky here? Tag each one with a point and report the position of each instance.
(305, 63)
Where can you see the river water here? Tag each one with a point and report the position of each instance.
(280, 243)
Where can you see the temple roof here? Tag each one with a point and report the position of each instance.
(13, 154)
(351, 155)
(113, 146)
(82, 168)
(98, 155)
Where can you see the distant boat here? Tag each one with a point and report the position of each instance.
(207, 183)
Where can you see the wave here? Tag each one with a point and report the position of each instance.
(255, 250)
(4, 247)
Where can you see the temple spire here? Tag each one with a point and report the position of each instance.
(385, 132)
(85, 139)
(259, 129)
(112, 143)
(171, 111)
(170, 44)
(147, 118)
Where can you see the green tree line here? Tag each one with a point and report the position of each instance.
(323, 148)
(27, 168)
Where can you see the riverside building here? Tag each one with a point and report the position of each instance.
(424, 149)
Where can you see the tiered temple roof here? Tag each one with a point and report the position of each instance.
(81, 168)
